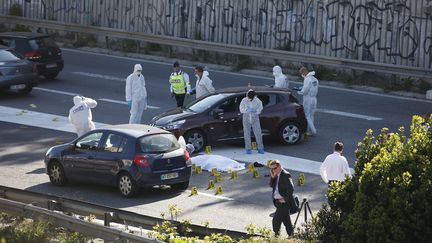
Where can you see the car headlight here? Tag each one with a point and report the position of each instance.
(48, 152)
(175, 125)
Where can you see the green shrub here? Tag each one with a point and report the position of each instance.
(243, 62)
(390, 197)
(16, 10)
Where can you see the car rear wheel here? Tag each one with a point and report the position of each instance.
(196, 138)
(56, 174)
(180, 186)
(51, 75)
(290, 133)
(126, 185)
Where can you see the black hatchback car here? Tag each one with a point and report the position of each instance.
(37, 48)
(129, 156)
(216, 117)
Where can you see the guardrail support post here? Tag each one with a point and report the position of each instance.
(54, 205)
(108, 216)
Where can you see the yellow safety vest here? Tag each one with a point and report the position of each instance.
(178, 83)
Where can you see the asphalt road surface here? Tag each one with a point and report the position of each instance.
(343, 115)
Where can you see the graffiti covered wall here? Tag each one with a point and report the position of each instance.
(385, 31)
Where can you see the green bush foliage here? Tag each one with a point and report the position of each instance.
(16, 10)
(390, 197)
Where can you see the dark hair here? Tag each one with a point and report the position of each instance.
(199, 69)
(176, 64)
(338, 146)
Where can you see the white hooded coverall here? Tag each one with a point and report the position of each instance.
(281, 80)
(80, 114)
(204, 85)
(137, 93)
(309, 92)
(251, 119)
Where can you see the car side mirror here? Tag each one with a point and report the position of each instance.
(217, 113)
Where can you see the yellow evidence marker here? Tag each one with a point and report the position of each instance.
(194, 191)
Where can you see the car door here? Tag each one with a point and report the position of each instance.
(225, 119)
(108, 159)
(78, 161)
(269, 117)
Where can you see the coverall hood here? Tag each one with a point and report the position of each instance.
(136, 68)
(78, 100)
(277, 71)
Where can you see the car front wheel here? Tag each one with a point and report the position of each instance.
(56, 174)
(196, 138)
(180, 186)
(290, 133)
(126, 185)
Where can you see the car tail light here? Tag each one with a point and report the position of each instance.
(141, 160)
(34, 68)
(186, 155)
(31, 55)
(300, 109)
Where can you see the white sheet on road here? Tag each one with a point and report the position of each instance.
(221, 163)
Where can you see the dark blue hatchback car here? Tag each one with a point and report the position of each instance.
(129, 156)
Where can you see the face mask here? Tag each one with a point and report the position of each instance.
(197, 76)
(138, 73)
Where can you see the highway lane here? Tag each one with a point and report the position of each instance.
(100, 76)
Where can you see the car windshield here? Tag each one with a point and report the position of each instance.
(8, 55)
(158, 143)
(39, 43)
(205, 103)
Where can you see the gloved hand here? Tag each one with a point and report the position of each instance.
(298, 88)
(129, 103)
(251, 110)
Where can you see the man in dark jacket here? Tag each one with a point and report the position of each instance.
(283, 189)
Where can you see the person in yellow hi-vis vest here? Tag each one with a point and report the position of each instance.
(180, 85)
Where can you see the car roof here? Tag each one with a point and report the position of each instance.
(24, 35)
(135, 130)
(244, 89)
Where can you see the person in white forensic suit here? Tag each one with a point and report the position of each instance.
(281, 80)
(309, 92)
(136, 94)
(204, 84)
(335, 166)
(80, 114)
(251, 107)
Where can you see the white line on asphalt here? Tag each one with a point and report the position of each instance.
(95, 75)
(102, 99)
(254, 76)
(55, 91)
(125, 103)
(347, 114)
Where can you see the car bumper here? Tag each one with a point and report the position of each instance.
(9, 82)
(148, 179)
(50, 67)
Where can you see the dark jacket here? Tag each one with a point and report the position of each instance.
(285, 187)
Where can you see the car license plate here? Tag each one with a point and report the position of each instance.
(18, 86)
(52, 65)
(169, 176)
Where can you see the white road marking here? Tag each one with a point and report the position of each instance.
(55, 91)
(347, 114)
(125, 103)
(101, 99)
(95, 75)
(252, 76)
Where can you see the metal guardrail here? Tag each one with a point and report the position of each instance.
(21, 202)
(218, 47)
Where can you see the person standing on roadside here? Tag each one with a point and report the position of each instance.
(251, 107)
(281, 80)
(136, 94)
(283, 189)
(204, 84)
(309, 92)
(179, 84)
(335, 166)
(80, 114)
